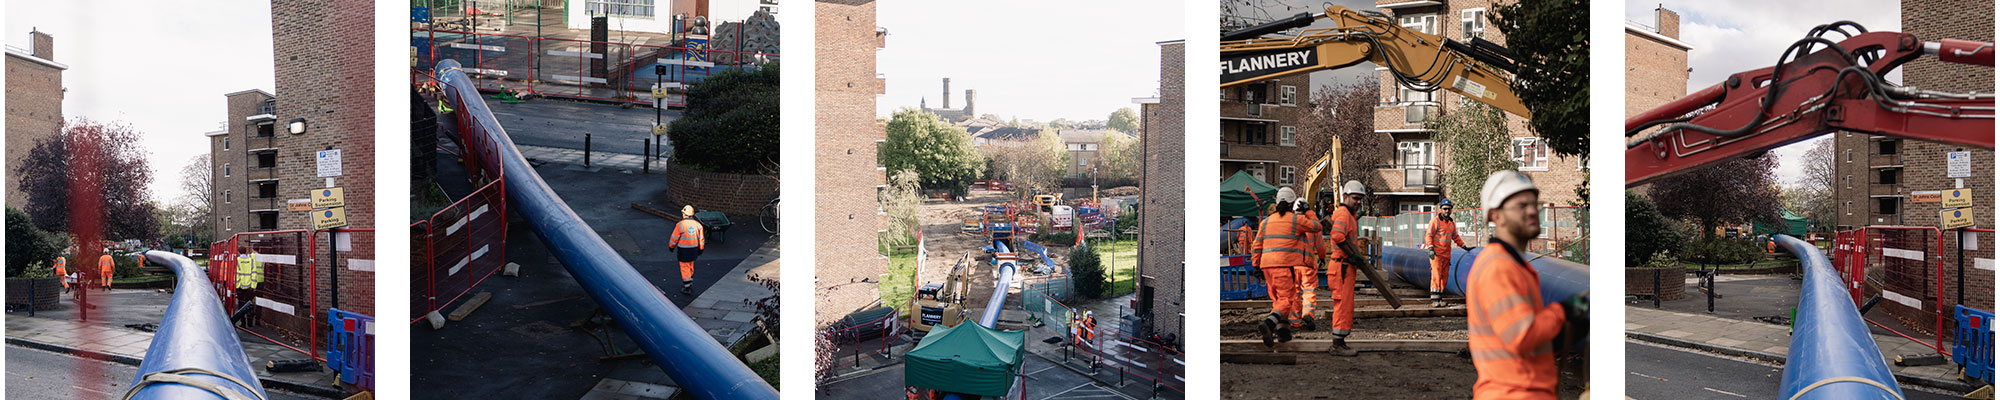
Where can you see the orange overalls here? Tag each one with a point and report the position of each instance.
(1340, 276)
(688, 237)
(1281, 248)
(104, 266)
(1309, 274)
(1511, 332)
(1441, 235)
(62, 272)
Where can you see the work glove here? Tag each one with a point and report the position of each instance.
(1576, 323)
(1467, 248)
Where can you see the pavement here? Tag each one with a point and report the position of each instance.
(562, 124)
(37, 374)
(1766, 341)
(1662, 372)
(106, 337)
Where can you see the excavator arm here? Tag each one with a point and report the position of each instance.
(1327, 165)
(1480, 70)
(1839, 86)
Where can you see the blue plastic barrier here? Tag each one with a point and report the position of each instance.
(350, 347)
(1973, 348)
(1240, 281)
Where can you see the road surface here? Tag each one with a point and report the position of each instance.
(562, 123)
(1659, 372)
(36, 374)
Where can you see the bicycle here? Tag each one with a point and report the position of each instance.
(768, 217)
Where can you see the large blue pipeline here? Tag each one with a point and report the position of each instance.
(1560, 278)
(1832, 355)
(194, 353)
(684, 350)
(999, 299)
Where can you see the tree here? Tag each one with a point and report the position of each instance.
(1346, 111)
(941, 155)
(1118, 156)
(1553, 81)
(1736, 191)
(193, 216)
(1086, 269)
(903, 200)
(1473, 140)
(90, 180)
(30, 250)
(1812, 196)
(1039, 164)
(731, 123)
(1647, 232)
(1123, 120)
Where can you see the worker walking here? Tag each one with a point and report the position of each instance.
(104, 267)
(62, 273)
(1308, 274)
(1343, 257)
(689, 240)
(1512, 335)
(1440, 237)
(1279, 250)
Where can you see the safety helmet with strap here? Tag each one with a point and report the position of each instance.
(1503, 184)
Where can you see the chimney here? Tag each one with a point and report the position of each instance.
(44, 45)
(1667, 22)
(947, 94)
(970, 96)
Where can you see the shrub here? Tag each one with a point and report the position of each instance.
(731, 123)
(1647, 232)
(1718, 250)
(30, 250)
(1087, 271)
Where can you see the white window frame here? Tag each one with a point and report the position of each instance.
(225, 143)
(1288, 136)
(622, 8)
(1472, 22)
(1847, 180)
(1288, 95)
(1847, 207)
(1426, 23)
(1529, 161)
(1287, 174)
(1426, 150)
(229, 223)
(1850, 156)
(1411, 207)
(228, 197)
(1258, 171)
(225, 170)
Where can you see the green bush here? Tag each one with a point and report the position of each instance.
(1054, 238)
(731, 123)
(1718, 250)
(30, 250)
(1125, 222)
(1647, 232)
(1087, 271)
(125, 266)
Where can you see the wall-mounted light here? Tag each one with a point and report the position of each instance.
(297, 126)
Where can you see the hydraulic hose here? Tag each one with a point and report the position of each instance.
(195, 353)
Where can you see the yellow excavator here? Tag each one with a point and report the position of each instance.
(942, 304)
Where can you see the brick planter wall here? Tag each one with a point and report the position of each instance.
(1673, 281)
(714, 191)
(1788, 269)
(47, 293)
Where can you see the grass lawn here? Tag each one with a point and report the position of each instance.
(896, 288)
(1121, 260)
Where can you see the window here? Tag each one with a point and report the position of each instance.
(1847, 180)
(1847, 208)
(1886, 147)
(1426, 23)
(1886, 205)
(225, 143)
(264, 130)
(267, 190)
(1531, 153)
(1075, 147)
(228, 196)
(1849, 153)
(225, 169)
(1887, 176)
(620, 8)
(1473, 22)
(1256, 134)
(1412, 208)
(1419, 160)
(1417, 104)
(1287, 174)
(1288, 136)
(1288, 95)
(228, 223)
(267, 221)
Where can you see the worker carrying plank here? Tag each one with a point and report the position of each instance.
(1512, 335)
(689, 240)
(1440, 238)
(1343, 256)
(1281, 250)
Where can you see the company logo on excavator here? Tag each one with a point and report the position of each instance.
(1251, 65)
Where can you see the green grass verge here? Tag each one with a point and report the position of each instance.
(143, 279)
(899, 285)
(767, 369)
(1121, 259)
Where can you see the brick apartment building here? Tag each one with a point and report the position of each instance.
(34, 103)
(1878, 174)
(1260, 122)
(1163, 193)
(846, 176)
(1656, 62)
(244, 154)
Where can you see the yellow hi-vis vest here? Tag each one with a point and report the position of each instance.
(249, 271)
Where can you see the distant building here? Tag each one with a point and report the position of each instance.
(34, 104)
(245, 157)
(1163, 194)
(953, 115)
(658, 16)
(1260, 122)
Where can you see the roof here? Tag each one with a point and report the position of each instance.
(30, 56)
(967, 358)
(266, 94)
(1008, 133)
(1650, 34)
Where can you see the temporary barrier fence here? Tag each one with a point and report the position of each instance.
(1904, 267)
(1972, 348)
(283, 308)
(581, 69)
(1132, 357)
(458, 247)
(350, 348)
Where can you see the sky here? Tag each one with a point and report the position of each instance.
(1274, 9)
(159, 66)
(1735, 36)
(1082, 63)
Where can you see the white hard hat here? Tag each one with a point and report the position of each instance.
(1285, 195)
(1503, 184)
(1353, 187)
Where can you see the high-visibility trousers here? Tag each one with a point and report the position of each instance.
(1340, 288)
(687, 271)
(1308, 298)
(1284, 289)
(1440, 265)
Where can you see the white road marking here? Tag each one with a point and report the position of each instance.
(1723, 392)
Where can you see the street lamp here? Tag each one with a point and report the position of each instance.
(297, 126)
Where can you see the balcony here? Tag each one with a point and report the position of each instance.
(257, 144)
(1884, 189)
(1885, 160)
(262, 204)
(1421, 176)
(254, 174)
(266, 111)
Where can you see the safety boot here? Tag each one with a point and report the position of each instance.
(1266, 329)
(1340, 349)
(1306, 323)
(687, 289)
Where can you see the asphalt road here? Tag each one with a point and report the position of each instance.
(1659, 372)
(36, 374)
(562, 123)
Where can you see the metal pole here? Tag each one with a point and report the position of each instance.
(646, 161)
(586, 149)
(1656, 287)
(1961, 266)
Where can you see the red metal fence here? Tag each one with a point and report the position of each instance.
(284, 307)
(583, 69)
(458, 247)
(1904, 267)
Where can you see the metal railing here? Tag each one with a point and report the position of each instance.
(581, 69)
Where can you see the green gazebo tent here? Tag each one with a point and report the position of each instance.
(1237, 203)
(1790, 224)
(968, 358)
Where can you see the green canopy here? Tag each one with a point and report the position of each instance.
(1237, 203)
(968, 358)
(1791, 224)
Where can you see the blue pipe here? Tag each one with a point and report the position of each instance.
(194, 333)
(684, 350)
(1830, 341)
(1560, 278)
(999, 299)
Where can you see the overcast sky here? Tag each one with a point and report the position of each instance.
(1736, 36)
(159, 66)
(1081, 63)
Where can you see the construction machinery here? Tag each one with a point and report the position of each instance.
(942, 304)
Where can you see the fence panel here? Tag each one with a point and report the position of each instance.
(352, 262)
(287, 300)
(1907, 271)
(462, 245)
(350, 349)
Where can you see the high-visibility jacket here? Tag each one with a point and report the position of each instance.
(1340, 227)
(689, 233)
(1283, 241)
(249, 271)
(62, 270)
(1511, 333)
(105, 265)
(1441, 235)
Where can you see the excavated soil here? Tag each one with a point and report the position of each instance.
(1242, 324)
(1371, 375)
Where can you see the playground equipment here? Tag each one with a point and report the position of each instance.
(684, 350)
(1832, 355)
(195, 353)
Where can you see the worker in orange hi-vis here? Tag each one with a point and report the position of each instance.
(1308, 274)
(1279, 249)
(1439, 238)
(62, 273)
(689, 240)
(1512, 335)
(1342, 255)
(104, 267)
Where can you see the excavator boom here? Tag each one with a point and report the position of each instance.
(1479, 70)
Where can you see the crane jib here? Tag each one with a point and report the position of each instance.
(1249, 65)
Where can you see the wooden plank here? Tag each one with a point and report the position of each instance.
(471, 305)
(1404, 312)
(1369, 302)
(1261, 358)
(1320, 345)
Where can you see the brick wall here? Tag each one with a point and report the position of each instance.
(1656, 71)
(233, 172)
(1672, 281)
(713, 191)
(1925, 161)
(34, 107)
(325, 64)
(1236, 116)
(1163, 193)
(847, 214)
